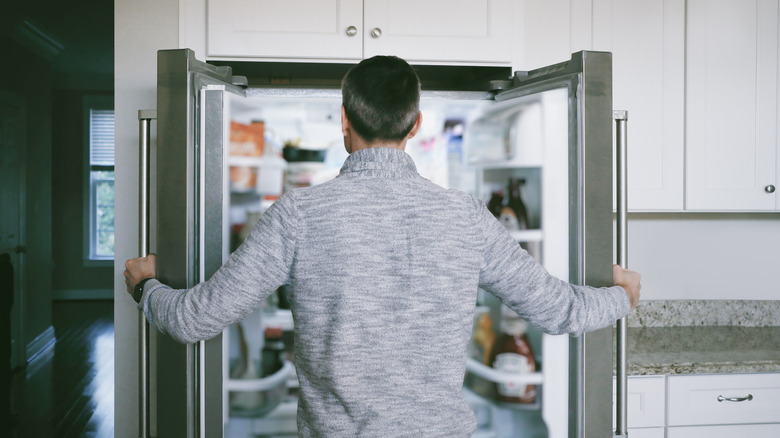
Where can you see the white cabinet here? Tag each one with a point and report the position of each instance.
(655, 432)
(712, 406)
(437, 31)
(724, 399)
(746, 430)
(732, 105)
(299, 29)
(647, 41)
(646, 406)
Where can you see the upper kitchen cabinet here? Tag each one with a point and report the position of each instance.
(327, 29)
(446, 31)
(732, 105)
(647, 41)
(421, 31)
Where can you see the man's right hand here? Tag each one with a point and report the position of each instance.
(628, 280)
(138, 269)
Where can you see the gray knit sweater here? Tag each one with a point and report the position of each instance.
(383, 268)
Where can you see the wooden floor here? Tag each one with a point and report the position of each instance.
(70, 393)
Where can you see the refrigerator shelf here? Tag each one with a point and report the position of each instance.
(235, 160)
(506, 164)
(492, 375)
(527, 235)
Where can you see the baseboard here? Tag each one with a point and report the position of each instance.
(82, 294)
(39, 347)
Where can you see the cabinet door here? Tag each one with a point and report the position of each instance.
(731, 112)
(647, 41)
(653, 432)
(646, 399)
(285, 30)
(440, 31)
(752, 430)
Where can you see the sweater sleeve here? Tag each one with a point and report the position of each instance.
(525, 286)
(255, 270)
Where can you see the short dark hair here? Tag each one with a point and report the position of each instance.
(381, 97)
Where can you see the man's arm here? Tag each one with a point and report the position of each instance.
(254, 271)
(551, 304)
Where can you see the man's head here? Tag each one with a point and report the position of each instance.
(381, 99)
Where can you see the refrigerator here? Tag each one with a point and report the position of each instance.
(550, 127)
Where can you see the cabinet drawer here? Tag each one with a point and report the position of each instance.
(745, 430)
(646, 396)
(694, 400)
(652, 432)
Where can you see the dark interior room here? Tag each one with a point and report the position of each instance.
(58, 57)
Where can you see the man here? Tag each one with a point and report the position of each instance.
(382, 269)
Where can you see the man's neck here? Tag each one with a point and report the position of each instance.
(362, 145)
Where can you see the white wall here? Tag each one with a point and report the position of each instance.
(141, 28)
(706, 256)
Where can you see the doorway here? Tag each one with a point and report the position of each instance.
(12, 215)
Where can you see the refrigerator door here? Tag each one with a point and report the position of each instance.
(587, 79)
(186, 389)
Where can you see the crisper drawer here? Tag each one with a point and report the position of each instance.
(742, 431)
(724, 399)
(646, 398)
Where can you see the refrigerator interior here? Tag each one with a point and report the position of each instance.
(467, 142)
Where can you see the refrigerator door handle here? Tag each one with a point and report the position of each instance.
(621, 378)
(145, 118)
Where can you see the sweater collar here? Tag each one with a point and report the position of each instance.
(379, 161)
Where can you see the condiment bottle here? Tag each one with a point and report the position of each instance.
(515, 202)
(273, 351)
(484, 338)
(496, 202)
(513, 354)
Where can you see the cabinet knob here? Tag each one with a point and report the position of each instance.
(769, 189)
(351, 31)
(376, 32)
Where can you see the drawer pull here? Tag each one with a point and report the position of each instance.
(735, 399)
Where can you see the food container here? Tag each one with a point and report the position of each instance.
(296, 154)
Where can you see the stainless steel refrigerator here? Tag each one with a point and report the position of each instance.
(551, 126)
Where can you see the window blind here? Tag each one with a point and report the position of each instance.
(101, 135)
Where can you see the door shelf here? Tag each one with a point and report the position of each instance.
(254, 398)
(262, 384)
(527, 235)
(492, 375)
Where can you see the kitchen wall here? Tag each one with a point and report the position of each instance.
(142, 27)
(706, 256)
(28, 77)
(72, 278)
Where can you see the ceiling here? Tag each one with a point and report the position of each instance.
(77, 36)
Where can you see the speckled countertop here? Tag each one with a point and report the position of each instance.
(704, 337)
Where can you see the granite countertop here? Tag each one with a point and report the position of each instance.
(704, 337)
(703, 350)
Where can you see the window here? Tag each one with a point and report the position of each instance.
(99, 208)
